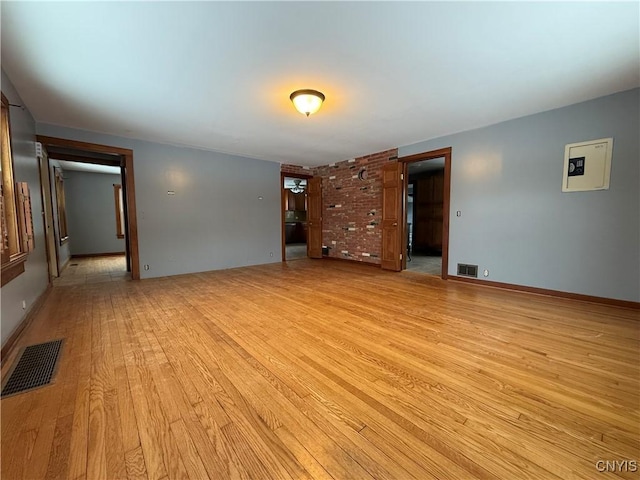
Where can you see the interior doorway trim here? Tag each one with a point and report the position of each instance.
(127, 162)
(47, 214)
(283, 194)
(446, 153)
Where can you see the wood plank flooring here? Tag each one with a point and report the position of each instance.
(319, 369)
(111, 268)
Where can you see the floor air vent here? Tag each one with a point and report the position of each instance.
(36, 367)
(468, 270)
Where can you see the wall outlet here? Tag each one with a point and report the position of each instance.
(271, 254)
(486, 272)
(146, 267)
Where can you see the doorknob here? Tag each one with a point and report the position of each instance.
(395, 224)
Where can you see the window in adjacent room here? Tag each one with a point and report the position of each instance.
(117, 194)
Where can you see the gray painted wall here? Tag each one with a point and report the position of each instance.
(64, 250)
(506, 180)
(215, 220)
(33, 282)
(91, 213)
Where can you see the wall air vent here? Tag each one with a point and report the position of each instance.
(465, 270)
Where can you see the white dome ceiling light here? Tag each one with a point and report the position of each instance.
(307, 101)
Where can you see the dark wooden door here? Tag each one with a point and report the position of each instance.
(428, 214)
(314, 217)
(391, 216)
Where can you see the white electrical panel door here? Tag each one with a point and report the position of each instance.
(587, 165)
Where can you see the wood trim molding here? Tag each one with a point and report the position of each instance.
(442, 152)
(283, 193)
(118, 201)
(35, 307)
(132, 216)
(106, 254)
(92, 147)
(446, 211)
(294, 175)
(550, 293)
(13, 268)
(127, 160)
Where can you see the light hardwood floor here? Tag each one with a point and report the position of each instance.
(322, 369)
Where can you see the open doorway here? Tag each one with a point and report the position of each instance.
(425, 201)
(426, 219)
(294, 228)
(93, 216)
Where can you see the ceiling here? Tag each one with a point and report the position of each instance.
(80, 160)
(423, 166)
(217, 75)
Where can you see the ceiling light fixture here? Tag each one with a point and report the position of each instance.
(307, 101)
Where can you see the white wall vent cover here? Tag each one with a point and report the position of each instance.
(587, 165)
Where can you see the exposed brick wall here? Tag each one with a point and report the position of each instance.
(353, 207)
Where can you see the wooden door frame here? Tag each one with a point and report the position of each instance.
(47, 214)
(127, 162)
(282, 205)
(442, 152)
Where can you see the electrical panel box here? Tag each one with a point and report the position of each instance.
(587, 165)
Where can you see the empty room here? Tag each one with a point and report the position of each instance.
(332, 240)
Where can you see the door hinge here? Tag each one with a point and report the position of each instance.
(400, 256)
(402, 176)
